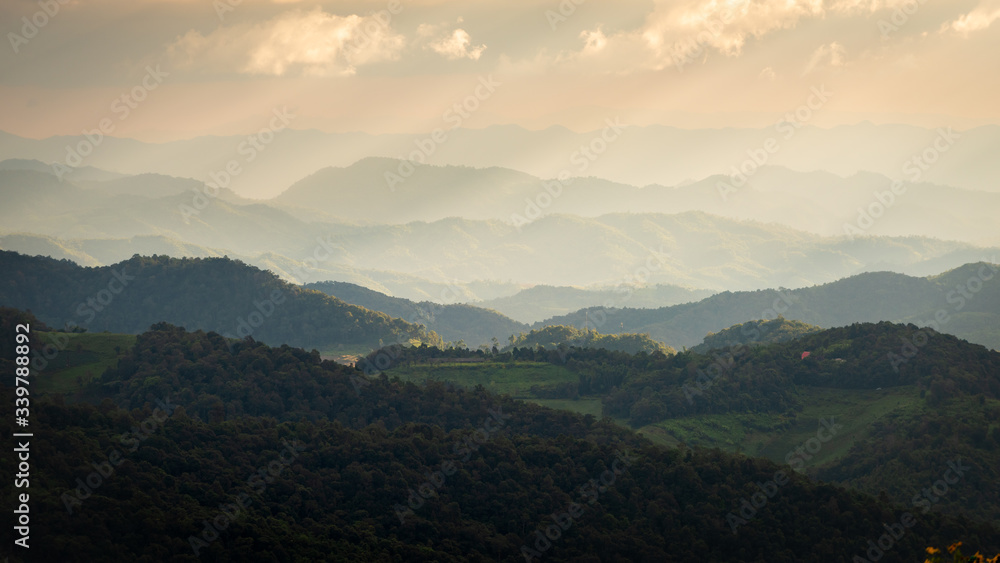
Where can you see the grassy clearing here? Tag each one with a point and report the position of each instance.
(85, 356)
(856, 410)
(734, 432)
(774, 436)
(513, 378)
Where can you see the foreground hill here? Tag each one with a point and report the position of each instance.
(217, 294)
(905, 402)
(475, 325)
(755, 333)
(964, 301)
(914, 399)
(252, 452)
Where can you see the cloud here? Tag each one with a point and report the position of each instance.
(869, 6)
(767, 74)
(456, 45)
(682, 32)
(829, 56)
(981, 17)
(311, 43)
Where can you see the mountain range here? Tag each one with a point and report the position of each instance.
(211, 294)
(641, 156)
(964, 301)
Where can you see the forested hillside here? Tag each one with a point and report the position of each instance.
(454, 322)
(966, 298)
(218, 294)
(236, 450)
(912, 400)
(756, 332)
(552, 337)
(764, 378)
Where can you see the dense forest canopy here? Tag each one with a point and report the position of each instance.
(308, 460)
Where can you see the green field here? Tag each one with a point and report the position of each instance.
(773, 436)
(760, 435)
(505, 378)
(85, 355)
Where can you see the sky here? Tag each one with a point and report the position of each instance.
(165, 70)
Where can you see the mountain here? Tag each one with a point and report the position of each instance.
(689, 249)
(475, 325)
(217, 294)
(152, 185)
(247, 446)
(105, 251)
(542, 301)
(635, 158)
(964, 301)
(894, 404)
(817, 202)
(100, 252)
(755, 333)
(81, 173)
(39, 203)
(910, 399)
(431, 193)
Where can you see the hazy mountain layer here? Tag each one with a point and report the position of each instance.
(689, 249)
(817, 202)
(542, 301)
(636, 157)
(454, 322)
(964, 302)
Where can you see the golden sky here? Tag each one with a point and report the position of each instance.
(222, 66)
